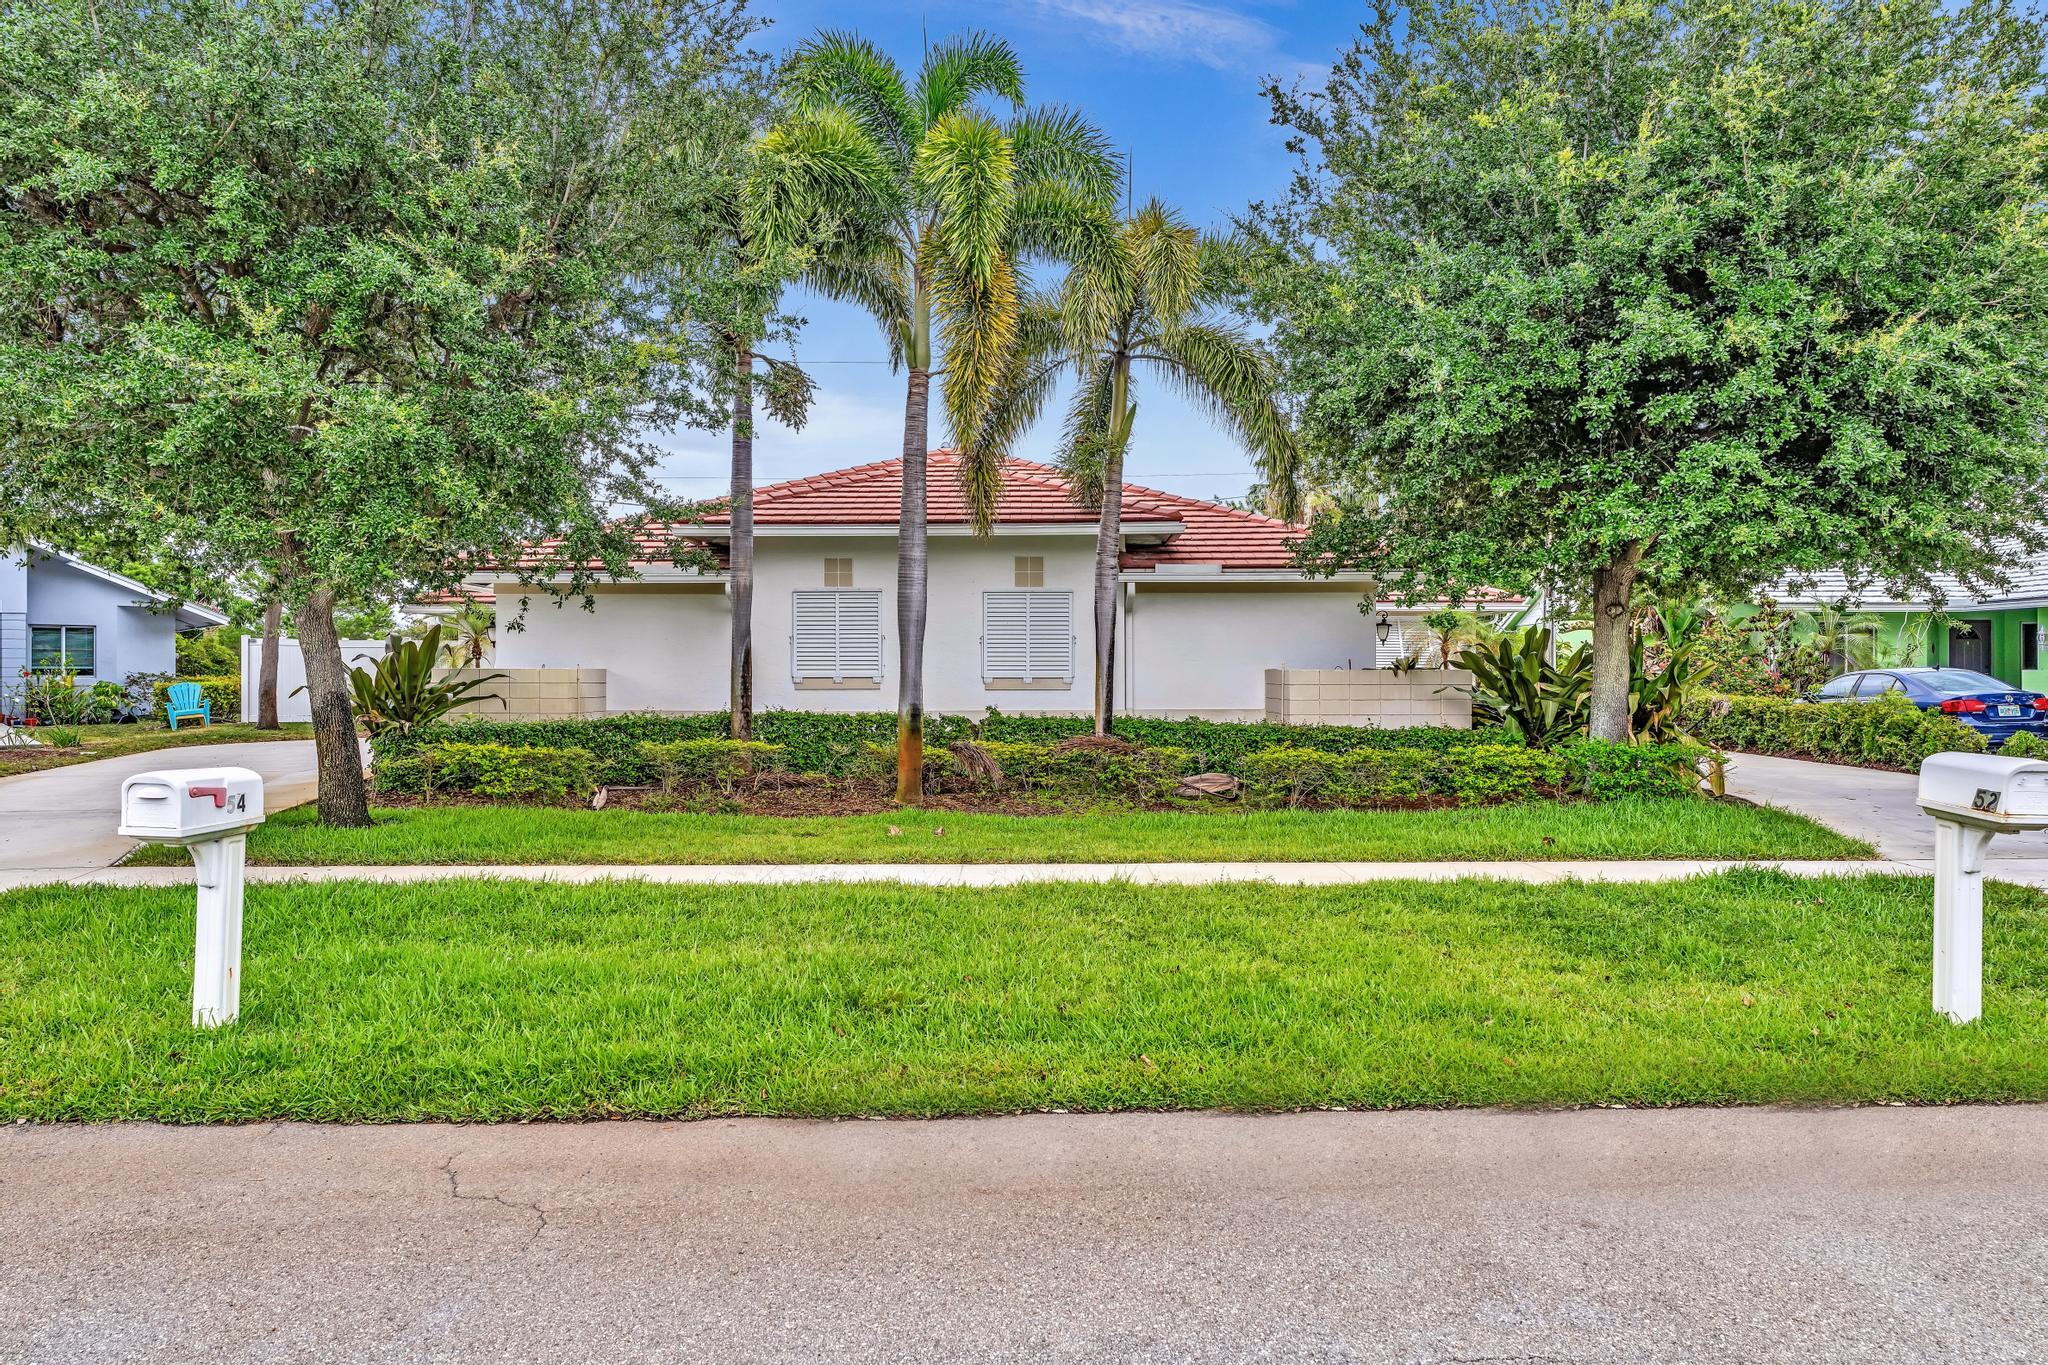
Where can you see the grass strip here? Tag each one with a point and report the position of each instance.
(486, 1001)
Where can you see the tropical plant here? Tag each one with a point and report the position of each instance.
(1517, 686)
(1153, 306)
(1844, 638)
(1674, 295)
(968, 198)
(1664, 676)
(400, 693)
(469, 635)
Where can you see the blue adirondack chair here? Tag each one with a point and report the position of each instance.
(184, 701)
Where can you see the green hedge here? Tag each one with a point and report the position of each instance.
(1889, 731)
(724, 761)
(1140, 774)
(842, 744)
(498, 770)
(225, 693)
(1472, 775)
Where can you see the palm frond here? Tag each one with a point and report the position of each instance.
(977, 320)
(1025, 385)
(1056, 144)
(878, 283)
(819, 183)
(1167, 255)
(1082, 438)
(837, 67)
(966, 172)
(965, 66)
(1230, 378)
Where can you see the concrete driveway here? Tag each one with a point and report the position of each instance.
(1875, 806)
(59, 823)
(1815, 1237)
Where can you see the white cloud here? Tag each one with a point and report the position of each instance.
(1177, 30)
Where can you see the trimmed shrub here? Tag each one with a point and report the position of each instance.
(496, 770)
(1486, 773)
(837, 743)
(1088, 768)
(724, 761)
(2024, 745)
(1605, 771)
(225, 693)
(877, 763)
(1890, 731)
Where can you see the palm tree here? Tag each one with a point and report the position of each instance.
(1840, 635)
(968, 199)
(1153, 307)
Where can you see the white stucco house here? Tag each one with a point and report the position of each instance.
(1209, 601)
(59, 613)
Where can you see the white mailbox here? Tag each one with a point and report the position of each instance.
(1972, 797)
(210, 811)
(191, 804)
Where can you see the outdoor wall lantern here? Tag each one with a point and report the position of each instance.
(1383, 627)
(1971, 797)
(210, 811)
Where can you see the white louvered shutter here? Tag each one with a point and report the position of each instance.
(836, 635)
(1027, 635)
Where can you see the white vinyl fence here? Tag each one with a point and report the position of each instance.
(291, 673)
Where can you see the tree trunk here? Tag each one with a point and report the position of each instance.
(912, 570)
(1109, 549)
(343, 801)
(1612, 587)
(266, 684)
(740, 564)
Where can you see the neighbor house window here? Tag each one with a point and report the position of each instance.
(1027, 636)
(60, 649)
(836, 636)
(1030, 571)
(2030, 645)
(839, 573)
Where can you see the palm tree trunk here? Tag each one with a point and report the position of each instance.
(1612, 587)
(1109, 551)
(740, 568)
(266, 685)
(912, 571)
(343, 800)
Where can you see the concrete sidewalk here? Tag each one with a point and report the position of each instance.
(1815, 1237)
(59, 823)
(1012, 874)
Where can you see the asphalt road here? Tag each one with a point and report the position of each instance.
(1879, 1235)
(59, 823)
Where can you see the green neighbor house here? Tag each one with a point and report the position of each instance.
(1996, 634)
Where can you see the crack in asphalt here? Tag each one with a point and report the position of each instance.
(455, 1192)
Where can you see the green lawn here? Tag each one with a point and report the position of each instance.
(111, 741)
(513, 834)
(473, 1000)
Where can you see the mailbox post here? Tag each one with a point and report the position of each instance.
(210, 811)
(1972, 797)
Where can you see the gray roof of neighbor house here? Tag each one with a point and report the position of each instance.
(2026, 585)
(190, 615)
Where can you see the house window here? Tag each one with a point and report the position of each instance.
(839, 573)
(60, 649)
(1027, 637)
(836, 636)
(2030, 645)
(1030, 571)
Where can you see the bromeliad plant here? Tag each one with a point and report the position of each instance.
(1658, 701)
(400, 692)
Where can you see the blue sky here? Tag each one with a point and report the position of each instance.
(1172, 82)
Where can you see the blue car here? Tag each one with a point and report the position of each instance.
(1978, 700)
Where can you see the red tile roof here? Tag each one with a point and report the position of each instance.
(1033, 494)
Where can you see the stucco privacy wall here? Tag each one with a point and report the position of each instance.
(1188, 648)
(1203, 650)
(128, 637)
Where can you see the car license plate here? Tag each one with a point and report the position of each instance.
(2008, 710)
